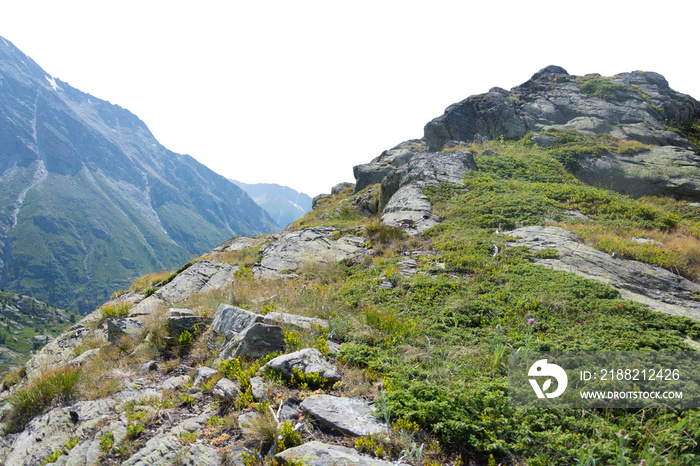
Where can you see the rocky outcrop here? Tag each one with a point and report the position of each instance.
(650, 285)
(374, 172)
(254, 342)
(659, 171)
(203, 275)
(295, 249)
(230, 320)
(636, 107)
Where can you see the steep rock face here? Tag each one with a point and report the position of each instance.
(91, 198)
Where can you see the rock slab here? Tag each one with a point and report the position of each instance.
(321, 454)
(350, 416)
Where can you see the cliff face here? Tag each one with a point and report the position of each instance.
(417, 289)
(90, 198)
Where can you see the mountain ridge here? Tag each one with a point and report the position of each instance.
(283, 203)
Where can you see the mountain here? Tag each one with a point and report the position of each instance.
(405, 320)
(90, 198)
(282, 203)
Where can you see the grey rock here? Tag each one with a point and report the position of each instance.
(256, 341)
(295, 249)
(317, 199)
(203, 375)
(258, 388)
(202, 276)
(176, 382)
(49, 432)
(338, 188)
(375, 171)
(180, 320)
(544, 140)
(227, 390)
(410, 209)
(650, 285)
(163, 449)
(321, 454)
(552, 99)
(428, 168)
(118, 328)
(148, 366)
(664, 170)
(350, 416)
(82, 358)
(231, 320)
(292, 320)
(308, 361)
(237, 243)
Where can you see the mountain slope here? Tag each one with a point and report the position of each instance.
(423, 292)
(90, 198)
(283, 203)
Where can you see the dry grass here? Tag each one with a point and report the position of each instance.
(141, 284)
(677, 250)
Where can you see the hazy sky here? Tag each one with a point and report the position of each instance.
(298, 92)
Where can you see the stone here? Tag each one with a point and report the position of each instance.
(203, 375)
(258, 388)
(256, 341)
(174, 383)
(374, 172)
(340, 187)
(349, 416)
(308, 361)
(230, 320)
(315, 453)
(409, 209)
(118, 328)
(317, 199)
(148, 366)
(292, 320)
(202, 276)
(295, 249)
(648, 284)
(180, 320)
(227, 390)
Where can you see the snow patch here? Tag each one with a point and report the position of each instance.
(52, 81)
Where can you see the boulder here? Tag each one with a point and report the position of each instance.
(308, 361)
(226, 390)
(293, 320)
(180, 320)
(349, 416)
(202, 276)
(230, 320)
(118, 328)
(410, 209)
(321, 454)
(176, 382)
(258, 388)
(203, 375)
(648, 284)
(295, 249)
(340, 187)
(374, 172)
(256, 341)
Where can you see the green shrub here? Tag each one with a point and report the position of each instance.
(106, 442)
(603, 87)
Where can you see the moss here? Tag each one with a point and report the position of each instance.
(604, 88)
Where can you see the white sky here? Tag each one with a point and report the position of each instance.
(298, 92)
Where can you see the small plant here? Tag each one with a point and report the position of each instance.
(133, 431)
(115, 310)
(287, 437)
(309, 381)
(187, 400)
(53, 457)
(106, 442)
(185, 338)
(188, 437)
